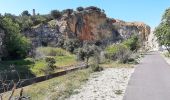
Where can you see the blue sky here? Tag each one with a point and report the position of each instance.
(148, 11)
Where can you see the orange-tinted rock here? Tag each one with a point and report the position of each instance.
(86, 25)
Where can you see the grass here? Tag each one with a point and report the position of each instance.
(34, 66)
(167, 54)
(61, 62)
(56, 88)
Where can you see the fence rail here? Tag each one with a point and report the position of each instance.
(26, 82)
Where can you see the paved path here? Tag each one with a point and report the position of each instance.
(151, 80)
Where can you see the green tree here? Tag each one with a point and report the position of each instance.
(25, 13)
(72, 44)
(17, 45)
(132, 43)
(55, 14)
(162, 32)
(87, 51)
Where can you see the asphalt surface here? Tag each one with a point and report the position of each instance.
(151, 80)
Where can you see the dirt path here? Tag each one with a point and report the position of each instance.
(151, 80)
(109, 84)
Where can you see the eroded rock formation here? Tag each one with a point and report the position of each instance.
(90, 24)
(126, 29)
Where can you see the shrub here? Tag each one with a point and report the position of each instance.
(49, 68)
(51, 61)
(132, 43)
(167, 54)
(95, 62)
(68, 11)
(16, 44)
(79, 8)
(93, 8)
(71, 44)
(38, 19)
(50, 51)
(80, 54)
(118, 52)
(25, 13)
(86, 52)
(56, 14)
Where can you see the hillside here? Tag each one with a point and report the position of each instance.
(87, 24)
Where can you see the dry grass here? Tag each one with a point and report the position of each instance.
(56, 88)
(115, 64)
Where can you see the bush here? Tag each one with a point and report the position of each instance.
(88, 51)
(25, 22)
(50, 51)
(56, 14)
(17, 45)
(25, 13)
(81, 54)
(167, 54)
(68, 11)
(132, 43)
(49, 68)
(95, 62)
(38, 19)
(93, 8)
(118, 52)
(51, 61)
(71, 44)
(80, 9)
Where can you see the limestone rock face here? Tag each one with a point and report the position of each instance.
(90, 24)
(43, 35)
(85, 25)
(126, 29)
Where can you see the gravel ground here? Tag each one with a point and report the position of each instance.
(109, 84)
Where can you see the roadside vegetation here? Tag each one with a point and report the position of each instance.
(56, 88)
(126, 52)
(162, 32)
(35, 66)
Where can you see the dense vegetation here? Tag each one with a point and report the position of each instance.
(17, 46)
(123, 51)
(163, 30)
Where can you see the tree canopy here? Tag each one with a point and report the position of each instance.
(16, 45)
(162, 32)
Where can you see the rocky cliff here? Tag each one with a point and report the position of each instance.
(89, 24)
(126, 29)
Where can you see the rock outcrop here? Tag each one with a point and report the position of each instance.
(90, 24)
(126, 29)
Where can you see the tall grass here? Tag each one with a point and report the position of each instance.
(57, 88)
